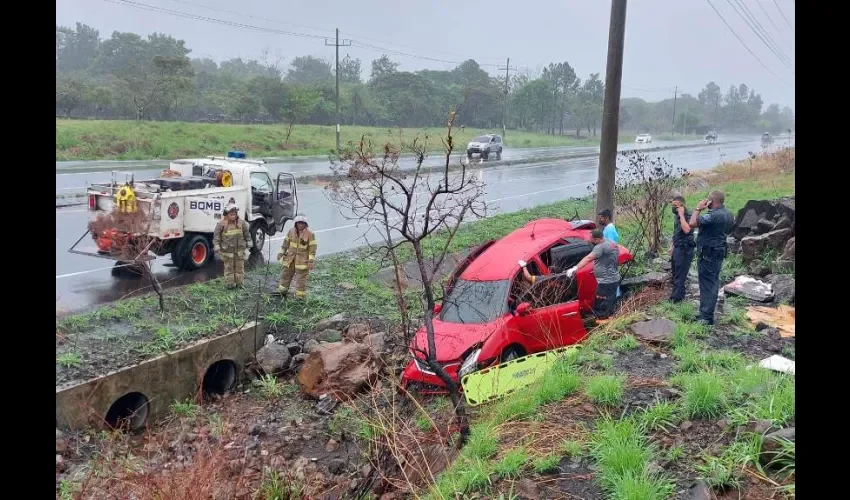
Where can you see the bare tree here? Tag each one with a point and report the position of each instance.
(407, 207)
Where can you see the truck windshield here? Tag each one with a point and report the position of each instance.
(483, 138)
(475, 301)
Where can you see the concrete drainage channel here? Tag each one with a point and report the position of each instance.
(137, 395)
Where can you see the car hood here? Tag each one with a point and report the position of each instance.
(452, 339)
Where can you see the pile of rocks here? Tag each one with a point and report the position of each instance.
(764, 226)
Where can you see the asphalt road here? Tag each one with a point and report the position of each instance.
(83, 281)
(73, 176)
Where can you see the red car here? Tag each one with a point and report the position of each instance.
(490, 314)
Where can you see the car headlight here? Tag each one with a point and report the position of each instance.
(469, 364)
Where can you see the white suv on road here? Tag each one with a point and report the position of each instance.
(643, 139)
(485, 145)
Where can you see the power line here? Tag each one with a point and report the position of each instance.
(758, 2)
(455, 54)
(745, 45)
(783, 14)
(762, 35)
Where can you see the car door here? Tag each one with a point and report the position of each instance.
(549, 323)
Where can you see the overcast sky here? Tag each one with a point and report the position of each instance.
(668, 42)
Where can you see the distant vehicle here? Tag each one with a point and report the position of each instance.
(766, 139)
(182, 207)
(490, 315)
(484, 145)
(711, 137)
(643, 139)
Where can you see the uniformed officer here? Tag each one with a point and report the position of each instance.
(714, 227)
(681, 248)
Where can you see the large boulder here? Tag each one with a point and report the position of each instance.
(784, 288)
(752, 247)
(336, 322)
(788, 253)
(341, 369)
(780, 212)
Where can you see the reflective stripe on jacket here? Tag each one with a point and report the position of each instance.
(298, 249)
(231, 238)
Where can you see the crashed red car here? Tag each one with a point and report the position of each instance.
(491, 315)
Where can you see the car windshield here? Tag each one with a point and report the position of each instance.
(483, 138)
(475, 301)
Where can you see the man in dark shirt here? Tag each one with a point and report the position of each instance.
(714, 227)
(681, 248)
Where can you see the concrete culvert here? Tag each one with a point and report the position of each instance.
(129, 412)
(219, 378)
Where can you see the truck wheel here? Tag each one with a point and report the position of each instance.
(194, 252)
(258, 235)
(485, 154)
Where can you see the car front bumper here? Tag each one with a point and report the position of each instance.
(424, 380)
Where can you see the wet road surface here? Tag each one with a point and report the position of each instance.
(83, 281)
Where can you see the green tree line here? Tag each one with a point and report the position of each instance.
(127, 76)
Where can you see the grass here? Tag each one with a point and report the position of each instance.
(279, 486)
(727, 471)
(626, 343)
(549, 463)
(269, 387)
(512, 464)
(704, 395)
(558, 383)
(131, 140)
(606, 390)
(661, 416)
(69, 359)
(572, 448)
(184, 409)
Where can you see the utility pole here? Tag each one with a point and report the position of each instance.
(507, 69)
(673, 125)
(611, 107)
(716, 102)
(337, 45)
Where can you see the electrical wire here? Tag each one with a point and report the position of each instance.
(745, 45)
(783, 14)
(756, 27)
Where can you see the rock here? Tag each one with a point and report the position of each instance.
(299, 359)
(60, 463)
(353, 484)
(365, 471)
(771, 444)
(310, 345)
(653, 278)
(758, 268)
(62, 445)
(356, 332)
(723, 424)
(345, 285)
(789, 250)
(698, 490)
(784, 222)
(328, 335)
(526, 488)
(277, 463)
(336, 465)
(766, 226)
(326, 404)
(784, 288)
(752, 247)
(751, 288)
(294, 348)
(377, 341)
(342, 367)
(331, 446)
(59, 434)
(687, 424)
(761, 426)
(782, 267)
(336, 322)
(274, 358)
(754, 211)
(656, 330)
(257, 430)
(733, 244)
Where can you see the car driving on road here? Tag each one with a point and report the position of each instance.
(643, 139)
(485, 145)
(490, 314)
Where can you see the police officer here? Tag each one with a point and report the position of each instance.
(714, 227)
(681, 248)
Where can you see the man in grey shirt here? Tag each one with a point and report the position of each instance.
(605, 257)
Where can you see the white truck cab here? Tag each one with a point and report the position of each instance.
(177, 212)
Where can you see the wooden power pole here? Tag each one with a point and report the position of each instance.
(611, 107)
(507, 69)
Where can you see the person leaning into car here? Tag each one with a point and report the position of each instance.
(605, 257)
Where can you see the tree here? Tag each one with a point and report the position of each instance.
(408, 207)
(76, 49)
(588, 105)
(72, 90)
(271, 93)
(349, 70)
(383, 66)
(300, 101)
(309, 70)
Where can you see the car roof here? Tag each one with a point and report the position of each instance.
(499, 261)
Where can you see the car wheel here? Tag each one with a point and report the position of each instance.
(511, 353)
(485, 154)
(499, 155)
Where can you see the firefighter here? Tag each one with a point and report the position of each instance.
(232, 242)
(297, 255)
